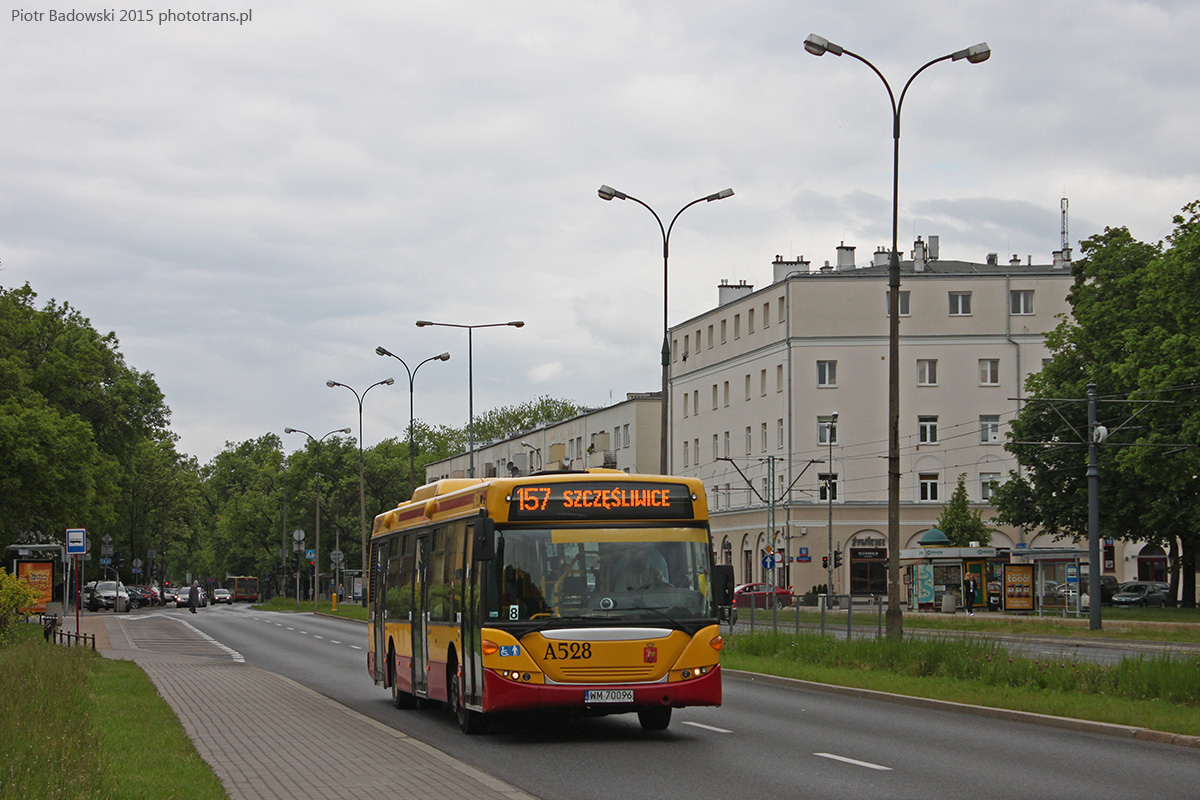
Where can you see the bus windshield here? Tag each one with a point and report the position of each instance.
(604, 574)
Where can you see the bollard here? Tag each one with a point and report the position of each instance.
(335, 602)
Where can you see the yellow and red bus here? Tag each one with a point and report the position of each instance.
(243, 587)
(593, 592)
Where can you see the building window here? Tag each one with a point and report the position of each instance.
(929, 486)
(989, 428)
(726, 444)
(827, 430)
(762, 383)
(724, 326)
(764, 437)
(766, 315)
(828, 486)
(696, 449)
(826, 373)
(960, 304)
(710, 337)
(675, 350)
(927, 430)
(926, 372)
(714, 397)
(887, 304)
(779, 433)
(1020, 301)
(988, 481)
(737, 326)
(685, 452)
(725, 393)
(686, 340)
(626, 436)
(749, 440)
(779, 377)
(686, 402)
(750, 321)
(989, 372)
(781, 311)
(716, 449)
(747, 386)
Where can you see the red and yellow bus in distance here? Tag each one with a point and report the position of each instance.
(243, 587)
(593, 592)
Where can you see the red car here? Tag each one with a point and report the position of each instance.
(758, 595)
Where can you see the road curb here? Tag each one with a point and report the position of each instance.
(1068, 723)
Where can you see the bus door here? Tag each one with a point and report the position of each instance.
(375, 588)
(420, 622)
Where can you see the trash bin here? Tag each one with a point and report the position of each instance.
(121, 605)
(949, 603)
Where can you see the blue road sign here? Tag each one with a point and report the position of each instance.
(768, 562)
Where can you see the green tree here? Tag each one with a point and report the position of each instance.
(246, 491)
(15, 594)
(72, 414)
(960, 524)
(1135, 333)
(507, 420)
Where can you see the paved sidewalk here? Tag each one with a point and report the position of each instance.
(270, 738)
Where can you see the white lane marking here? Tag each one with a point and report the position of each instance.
(855, 762)
(355, 647)
(334, 641)
(706, 727)
(234, 654)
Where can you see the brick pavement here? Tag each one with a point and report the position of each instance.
(270, 738)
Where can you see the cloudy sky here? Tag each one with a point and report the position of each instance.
(254, 207)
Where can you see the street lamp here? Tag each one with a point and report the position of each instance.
(362, 493)
(317, 549)
(422, 323)
(975, 54)
(412, 374)
(608, 193)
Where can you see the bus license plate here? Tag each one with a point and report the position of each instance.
(608, 696)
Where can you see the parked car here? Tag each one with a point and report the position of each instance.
(222, 596)
(1140, 593)
(181, 599)
(140, 596)
(96, 595)
(758, 595)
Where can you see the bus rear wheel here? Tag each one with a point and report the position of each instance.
(655, 719)
(400, 699)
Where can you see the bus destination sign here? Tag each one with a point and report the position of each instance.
(600, 500)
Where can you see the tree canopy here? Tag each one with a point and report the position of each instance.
(1134, 333)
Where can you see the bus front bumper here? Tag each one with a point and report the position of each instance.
(504, 694)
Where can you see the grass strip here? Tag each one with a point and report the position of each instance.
(1159, 694)
(76, 726)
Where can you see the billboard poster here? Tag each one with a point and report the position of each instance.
(1018, 587)
(40, 576)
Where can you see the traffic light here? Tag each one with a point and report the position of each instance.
(825, 562)
(837, 558)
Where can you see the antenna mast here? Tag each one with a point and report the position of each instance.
(1066, 246)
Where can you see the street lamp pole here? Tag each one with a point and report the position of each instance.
(423, 323)
(362, 493)
(317, 549)
(412, 375)
(819, 46)
(608, 193)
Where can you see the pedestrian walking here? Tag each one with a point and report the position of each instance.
(969, 595)
(194, 596)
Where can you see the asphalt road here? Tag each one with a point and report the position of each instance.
(765, 741)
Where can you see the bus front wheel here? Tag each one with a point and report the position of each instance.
(655, 719)
(470, 722)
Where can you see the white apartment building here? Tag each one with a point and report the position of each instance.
(779, 402)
